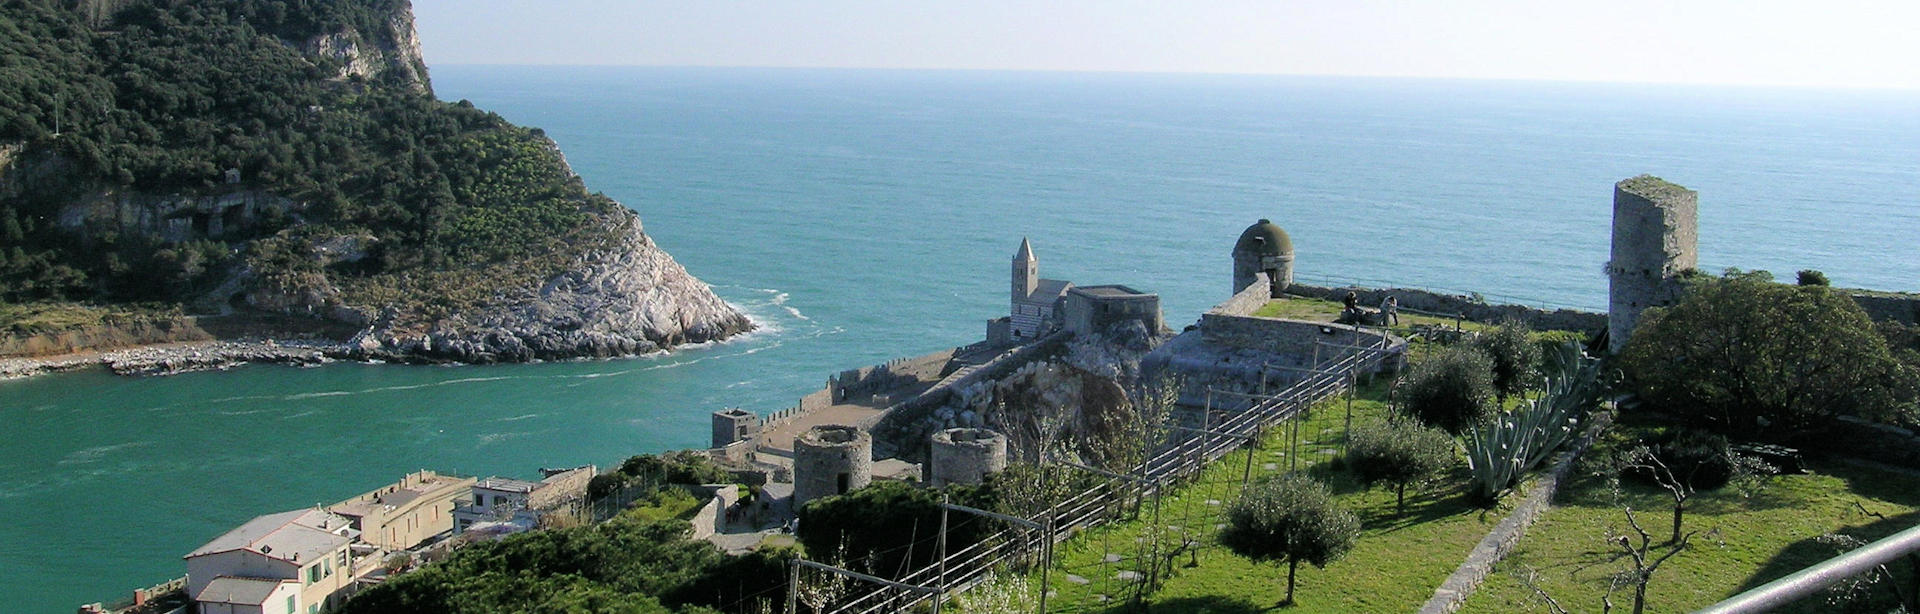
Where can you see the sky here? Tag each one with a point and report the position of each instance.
(1820, 43)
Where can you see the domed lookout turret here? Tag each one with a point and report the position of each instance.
(1263, 248)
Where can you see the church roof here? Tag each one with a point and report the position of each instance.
(1048, 291)
(1264, 238)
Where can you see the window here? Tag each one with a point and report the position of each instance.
(291, 607)
(313, 574)
(843, 483)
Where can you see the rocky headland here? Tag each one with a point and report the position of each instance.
(410, 229)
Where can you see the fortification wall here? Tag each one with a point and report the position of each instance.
(1247, 300)
(1902, 307)
(1422, 300)
(856, 383)
(1295, 338)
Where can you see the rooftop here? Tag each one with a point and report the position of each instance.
(290, 536)
(506, 484)
(1108, 291)
(1048, 290)
(240, 591)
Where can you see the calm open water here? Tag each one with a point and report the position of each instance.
(862, 215)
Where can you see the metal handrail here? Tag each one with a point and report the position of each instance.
(1806, 582)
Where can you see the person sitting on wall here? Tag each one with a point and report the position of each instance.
(1352, 301)
(1390, 311)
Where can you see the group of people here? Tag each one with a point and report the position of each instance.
(1389, 309)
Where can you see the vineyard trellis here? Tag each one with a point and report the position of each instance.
(1108, 500)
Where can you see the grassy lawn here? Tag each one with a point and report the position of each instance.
(1322, 310)
(1745, 542)
(1378, 575)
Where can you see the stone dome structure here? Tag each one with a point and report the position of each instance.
(1263, 248)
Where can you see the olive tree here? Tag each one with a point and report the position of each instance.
(1399, 453)
(1745, 355)
(1514, 354)
(1289, 518)
(1452, 390)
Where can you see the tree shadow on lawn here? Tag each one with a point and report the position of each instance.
(1809, 551)
(1422, 507)
(1199, 605)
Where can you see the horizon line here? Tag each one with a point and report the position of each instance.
(1066, 71)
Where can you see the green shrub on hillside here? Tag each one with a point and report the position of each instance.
(1451, 391)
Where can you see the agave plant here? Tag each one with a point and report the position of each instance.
(1500, 450)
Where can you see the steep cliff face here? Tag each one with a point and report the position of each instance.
(630, 298)
(392, 51)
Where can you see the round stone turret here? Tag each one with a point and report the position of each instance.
(831, 459)
(966, 456)
(1263, 248)
(1655, 232)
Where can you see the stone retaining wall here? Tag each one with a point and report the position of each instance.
(1453, 593)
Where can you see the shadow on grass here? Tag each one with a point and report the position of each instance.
(1422, 507)
(1808, 552)
(1200, 605)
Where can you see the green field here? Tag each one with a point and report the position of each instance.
(1744, 541)
(1378, 575)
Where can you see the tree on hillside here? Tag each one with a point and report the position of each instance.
(1289, 518)
(1400, 453)
(1450, 391)
(1514, 354)
(876, 525)
(1748, 356)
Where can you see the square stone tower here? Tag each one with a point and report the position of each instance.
(1656, 227)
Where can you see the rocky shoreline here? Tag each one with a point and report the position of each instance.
(173, 358)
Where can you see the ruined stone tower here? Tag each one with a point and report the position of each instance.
(1655, 229)
(1263, 248)
(831, 459)
(965, 456)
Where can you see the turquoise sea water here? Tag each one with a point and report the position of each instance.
(861, 215)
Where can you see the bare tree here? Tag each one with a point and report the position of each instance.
(1645, 562)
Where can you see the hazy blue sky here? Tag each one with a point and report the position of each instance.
(1809, 42)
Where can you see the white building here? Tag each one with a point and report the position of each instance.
(290, 562)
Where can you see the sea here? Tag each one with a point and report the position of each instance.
(861, 215)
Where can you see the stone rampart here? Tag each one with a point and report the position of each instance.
(1902, 307)
(1248, 300)
(1467, 307)
(856, 383)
